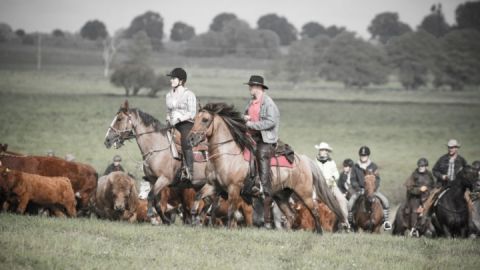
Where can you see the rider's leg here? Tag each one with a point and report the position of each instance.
(386, 210)
(184, 128)
(350, 205)
(263, 154)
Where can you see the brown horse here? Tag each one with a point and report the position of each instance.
(368, 208)
(159, 165)
(224, 129)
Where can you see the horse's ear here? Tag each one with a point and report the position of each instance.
(199, 106)
(124, 106)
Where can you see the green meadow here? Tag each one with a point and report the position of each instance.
(68, 105)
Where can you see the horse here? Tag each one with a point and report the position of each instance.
(368, 214)
(159, 164)
(225, 131)
(449, 213)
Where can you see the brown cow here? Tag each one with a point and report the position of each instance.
(116, 197)
(83, 177)
(304, 220)
(50, 192)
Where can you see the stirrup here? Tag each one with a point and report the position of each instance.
(387, 226)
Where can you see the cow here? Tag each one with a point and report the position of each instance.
(116, 197)
(304, 219)
(54, 193)
(83, 177)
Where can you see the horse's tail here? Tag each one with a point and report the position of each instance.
(324, 193)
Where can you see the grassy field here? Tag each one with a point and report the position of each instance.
(67, 106)
(48, 243)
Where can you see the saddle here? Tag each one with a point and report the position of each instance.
(200, 152)
(283, 156)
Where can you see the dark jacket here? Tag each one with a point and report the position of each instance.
(113, 168)
(358, 176)
(417, 180)
(342, 183)
(441, 167)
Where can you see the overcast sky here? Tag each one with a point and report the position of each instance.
(71, 15)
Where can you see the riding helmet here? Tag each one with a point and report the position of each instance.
(348, 163)
(422, 162)
(178, 73)
(364, 151)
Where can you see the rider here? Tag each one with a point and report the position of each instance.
(419, 185)
(358, 184)
(449, 164)
(330, 172)
(344, 183)
(115, 166)
(181, 110)
(263, 121)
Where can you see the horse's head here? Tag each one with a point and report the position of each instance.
(370, 180)
(202, 127)
(121, 128)
(469, 177)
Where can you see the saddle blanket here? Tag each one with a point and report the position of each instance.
(280, 161)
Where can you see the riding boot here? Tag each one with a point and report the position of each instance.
(267, 211)
(263, 155)
(350, 217)
(188, 157)
(386, 223)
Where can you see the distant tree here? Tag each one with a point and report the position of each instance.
(20, 33)
(386, 25)
(133, 77)
(333, 30)
(312, 29)
(280, 25)
(161, 82)
(139, 49)
(413, 55)
(236, 38)
(459, 64)
(29, 39)
(152, 24)
(94, 30)
(210, 44)
(6, 32)
(435, 23)
(354, 62)
(58, 33)
(220, 20)
(467, 15)
(305, 58)
(181, 32)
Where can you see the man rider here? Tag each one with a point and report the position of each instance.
(263, 121)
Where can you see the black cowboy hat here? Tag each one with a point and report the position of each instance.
(256, 80)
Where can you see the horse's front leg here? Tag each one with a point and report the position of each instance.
(233, 201)
(159, 192)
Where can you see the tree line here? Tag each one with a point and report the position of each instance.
(435, 53)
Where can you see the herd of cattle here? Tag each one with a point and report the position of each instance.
(54, 186)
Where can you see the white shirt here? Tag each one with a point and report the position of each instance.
(329, 171)
(181, 106)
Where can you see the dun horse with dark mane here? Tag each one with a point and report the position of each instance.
(159, 164)
(224, 129)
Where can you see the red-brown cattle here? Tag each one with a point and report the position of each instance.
(83, 177)
(54, 193)
(304, 219)
(116, 197)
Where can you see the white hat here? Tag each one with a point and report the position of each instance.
(323, 145)
(453, 143)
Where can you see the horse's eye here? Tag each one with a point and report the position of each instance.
(119, 119)
(205, 120)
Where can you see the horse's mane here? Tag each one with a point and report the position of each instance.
(149, 120)
(234, 121)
